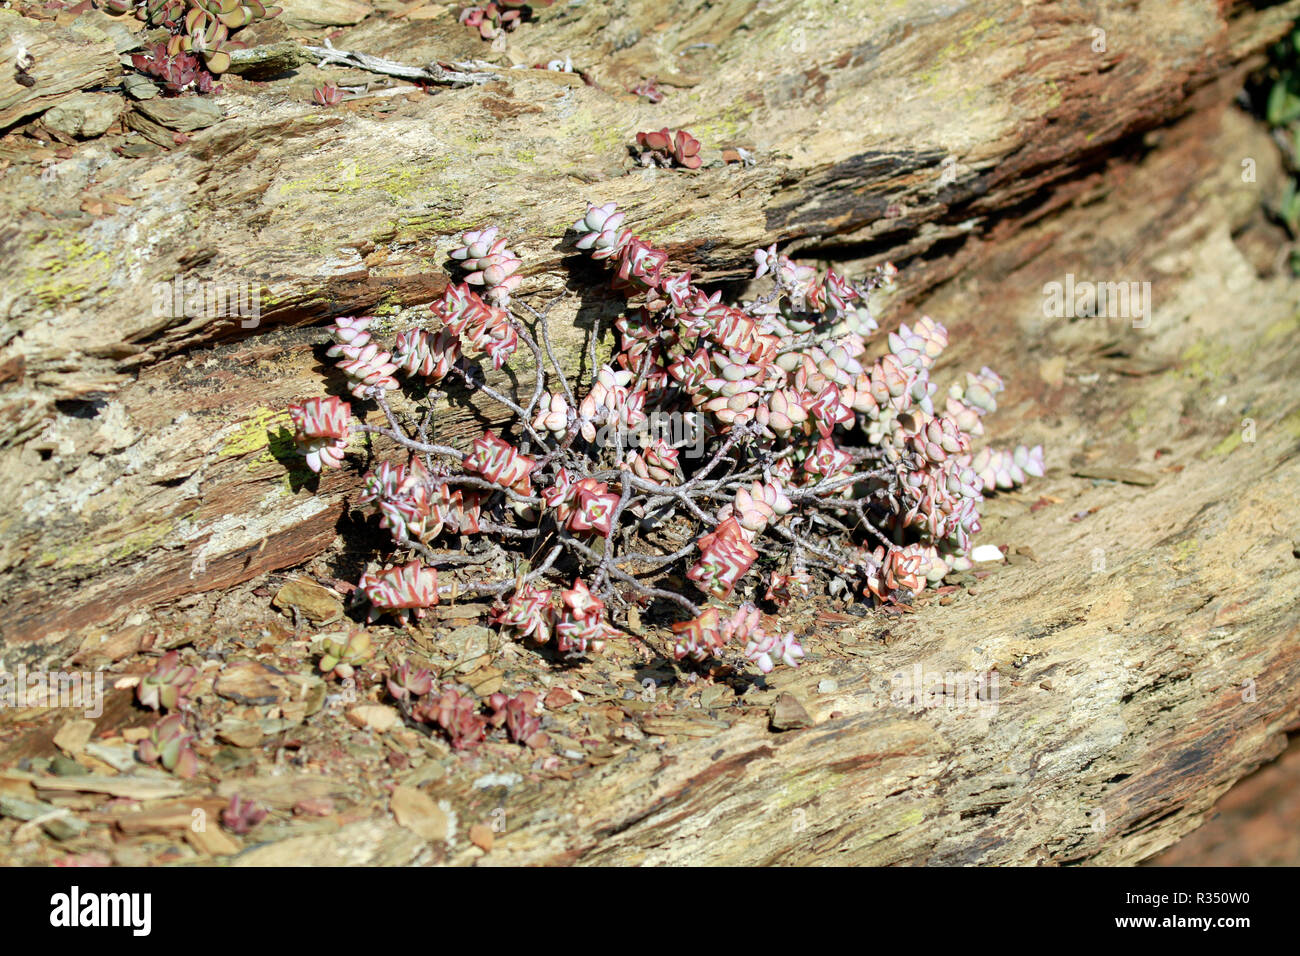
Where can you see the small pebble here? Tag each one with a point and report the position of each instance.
(827, 686)
(481, 836)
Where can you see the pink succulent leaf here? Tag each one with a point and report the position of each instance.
(699, 638)
(408, 587)
(725, 556)
(528, 613)
(322, 427)
(407, 682)
(501, 463)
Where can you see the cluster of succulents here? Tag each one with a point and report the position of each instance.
(498, 16)
(198, 28)
(822, 449)
(461, 718)
(667, 147)
(178, 72)
(520, 716)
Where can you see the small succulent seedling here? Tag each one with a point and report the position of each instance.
(327, 95)
(457, 715)
(648, 90)
(168, 685)
(171, 744)
(241, 815)
(667, 148)
(520, 716)
(342, 654)
(410, 683)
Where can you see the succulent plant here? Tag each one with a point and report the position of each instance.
(463, 313)
(408, 682)
(370, 367)
(407, 587)
(457, 716)
(489, 264)
(648, 90)
(657, 462)
(168, 685)
(179, 73)
(700, 637)
(327, 95)
(595, 508)
(827, 461)
(322, 427)
(171, 744)
(761, 648)
(429, 355)
(725, 556)
(757, 506)
(519, 714)
(199, 27)
(581, 625)
(1003, 469)
(817, 445)
(342, 654)
(402, 496)
(241, 816)
(501, 463)
(552, 415)
(783, 588)
(602, 235)
(666, 147)
(499, 15)
(528, 613)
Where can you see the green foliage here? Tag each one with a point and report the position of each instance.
(1281, 109)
